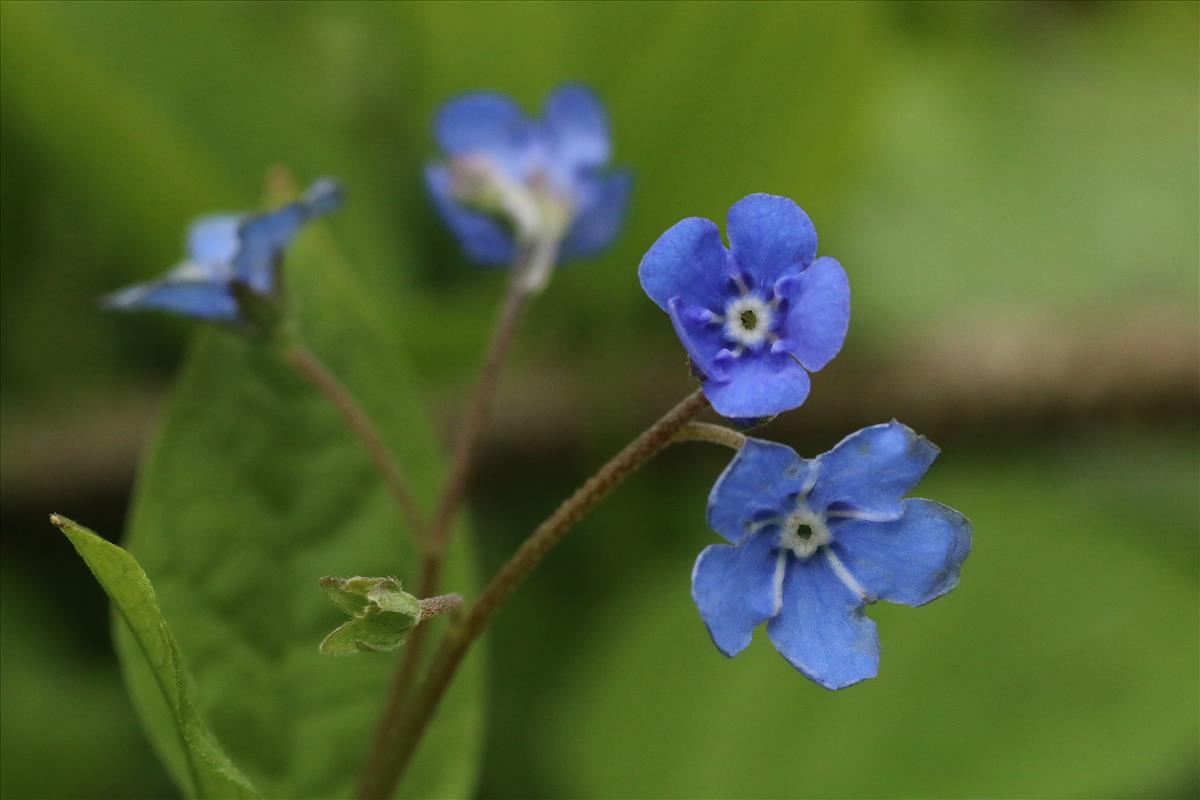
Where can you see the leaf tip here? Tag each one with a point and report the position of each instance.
(59, 521)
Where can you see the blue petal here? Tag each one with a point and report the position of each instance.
(263, 238)
(770, 236)
(213, 240)
(704, 341)
(821, 629)
(870, 471)
(737, 589)
(492, 125)
(688, 261)
(324, 196)
(760, 384)
(911, 560)
(602, 202)
(577, 127)
(818, 312)
(203, 300)
(762, 481)
(485, 240)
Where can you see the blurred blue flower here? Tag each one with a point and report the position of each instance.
(814, 541)
(231, 259)
(755, 318)
(511, 180)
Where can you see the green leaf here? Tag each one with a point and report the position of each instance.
(209, 772)
(382, 615)
(252, 491)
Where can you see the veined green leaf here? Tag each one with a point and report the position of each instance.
(208, 771)
(253, 490)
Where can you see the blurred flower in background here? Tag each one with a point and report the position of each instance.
(511, 180)
(233, 261)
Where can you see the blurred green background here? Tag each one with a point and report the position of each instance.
(1012, 188)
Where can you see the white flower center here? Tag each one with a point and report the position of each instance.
(747, 320)
(804, 532)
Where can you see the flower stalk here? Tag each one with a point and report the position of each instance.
(714, 434)
(398, 742)
(437, 538)
(313, 370)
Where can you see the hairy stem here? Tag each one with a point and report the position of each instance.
(471, 430)
(440, 604)
(315, 372)
(400, 741)
(474, 423)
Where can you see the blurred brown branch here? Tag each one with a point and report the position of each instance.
(997, 376)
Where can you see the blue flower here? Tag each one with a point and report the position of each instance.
(232, 260)
(755, 318)
(511, 180)
(814, 541)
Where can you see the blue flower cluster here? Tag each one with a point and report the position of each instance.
(809, 542)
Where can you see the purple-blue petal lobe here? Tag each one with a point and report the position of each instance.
(911, 560)
(760, 384)
(736, 589)
(818, 312)
(203, 300)
(871, 470)
(214, 239)
(598, 217)
(262, 239)
(762, 476)
(485, 240)
(702, 340)
(491, 125)
(688, 261)
(821, 629)
(770, 236)
(577, 127)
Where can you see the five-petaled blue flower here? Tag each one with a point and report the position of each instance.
(814, 541)
(543, 178)
(229, 256)
(755, 318)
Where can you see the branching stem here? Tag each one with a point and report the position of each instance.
(399, 741)
(474, 423)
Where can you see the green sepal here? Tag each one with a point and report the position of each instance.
(261, 316)
(382, 614)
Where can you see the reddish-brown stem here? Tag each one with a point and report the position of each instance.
(474, 423)
(315, 372)
(399, 742)
(471, 430)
